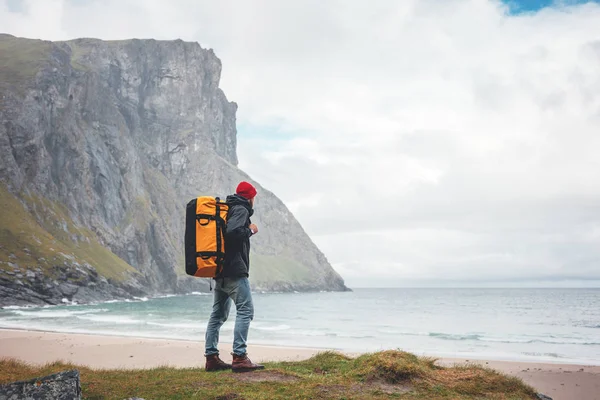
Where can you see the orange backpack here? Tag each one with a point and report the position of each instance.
(205, 220)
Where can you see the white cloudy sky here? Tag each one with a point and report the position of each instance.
(435, 142)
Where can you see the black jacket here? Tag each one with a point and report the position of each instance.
(237, 238)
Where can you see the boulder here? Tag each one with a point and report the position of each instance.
(61, 386)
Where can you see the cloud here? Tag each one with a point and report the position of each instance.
(431, 140)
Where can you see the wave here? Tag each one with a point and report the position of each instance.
(180, 325)
(481, 338)
(17, 307)
(272, 328)
(588, 325)
(57, 313)
(198, 294)
(114, 301)
(312, 332)
(451, 336)
(536, 354)
(116, 319)
(402, 333)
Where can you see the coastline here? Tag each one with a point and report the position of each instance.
(559, 381)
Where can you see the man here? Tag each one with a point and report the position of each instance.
(233, 286)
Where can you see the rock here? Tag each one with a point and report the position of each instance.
(61, 386)
(115, 143)
(543, 397)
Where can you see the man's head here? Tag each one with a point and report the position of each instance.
(247, 191)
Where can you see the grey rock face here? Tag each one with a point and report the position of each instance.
(73, 284)
(123, 134)
(61, 386)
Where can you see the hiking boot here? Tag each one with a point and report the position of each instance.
(243, 364)
(214, 363)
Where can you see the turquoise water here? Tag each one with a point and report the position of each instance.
(560, 325)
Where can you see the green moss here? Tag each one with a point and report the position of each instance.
(47, 240)
(21, 59)
(138, 214)
(157, 181)
(180, 269)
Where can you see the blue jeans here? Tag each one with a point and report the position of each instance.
(226, 291)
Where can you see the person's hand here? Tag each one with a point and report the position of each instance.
(253, 228)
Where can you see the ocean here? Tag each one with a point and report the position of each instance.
(556, 325)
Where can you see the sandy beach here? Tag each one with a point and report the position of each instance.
(559, 381)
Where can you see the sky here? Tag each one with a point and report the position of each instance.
(419, 142)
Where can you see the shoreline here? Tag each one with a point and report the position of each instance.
(471, 357)
(557, 380)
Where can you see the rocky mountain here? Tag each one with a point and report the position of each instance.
(101, 146)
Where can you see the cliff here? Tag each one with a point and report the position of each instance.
(101, 146)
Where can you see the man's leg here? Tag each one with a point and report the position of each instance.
(242, 297)
(220, 312)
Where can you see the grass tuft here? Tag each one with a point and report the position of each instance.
(473, 380)
(21, 60)
(392, 366)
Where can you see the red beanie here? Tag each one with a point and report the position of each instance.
(246, 190)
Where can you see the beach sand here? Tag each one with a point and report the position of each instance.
(559, 381)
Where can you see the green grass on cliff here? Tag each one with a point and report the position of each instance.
(21, 59)
(77, 54)
(328, 375)
(270, 269)
(50, 239)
